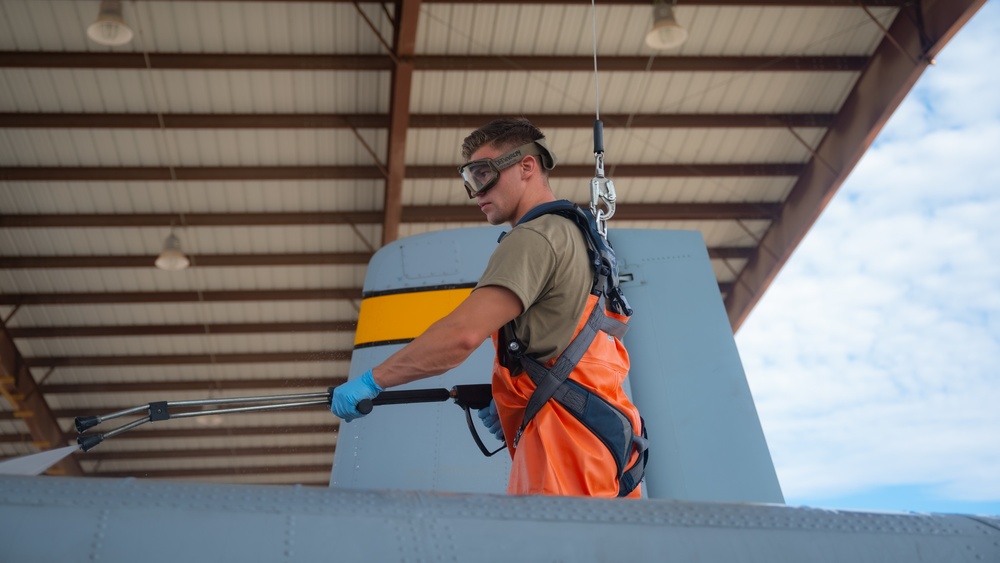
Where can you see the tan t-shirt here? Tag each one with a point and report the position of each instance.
(544, 262)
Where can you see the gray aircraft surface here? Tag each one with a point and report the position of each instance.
(408, 484)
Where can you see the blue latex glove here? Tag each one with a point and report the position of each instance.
(491, 420)
(347, 396)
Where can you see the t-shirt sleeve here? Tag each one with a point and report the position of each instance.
(523, 263)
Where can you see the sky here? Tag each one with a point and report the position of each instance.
(874, 356)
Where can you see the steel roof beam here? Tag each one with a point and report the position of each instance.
(148, 433)
(178, 330)
(334, 62)
(876, 95)
(181, 173)
(636, 121)
(115, 220)
(411, 214)
(194, 121)
(404, 46)
(261, 173)
(417, 121)
(102, 298)
(722, 3)
(98, 411)
(255, 260)
(227, 431)
(277, 452)
(226, 471)
(192, 385)
(200, 260)
(189, 359)
(99, 298)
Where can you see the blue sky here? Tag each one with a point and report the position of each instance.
(874, 357)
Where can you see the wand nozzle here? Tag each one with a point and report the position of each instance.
(84, 423)
(88, 442)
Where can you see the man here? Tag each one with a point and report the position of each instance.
(536, 293)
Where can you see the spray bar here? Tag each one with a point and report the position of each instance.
(475, 396)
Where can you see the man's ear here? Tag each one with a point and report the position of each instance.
(530, 165)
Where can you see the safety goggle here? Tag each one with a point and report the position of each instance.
(482, 174)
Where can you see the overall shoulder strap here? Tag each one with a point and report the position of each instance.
(560, 205)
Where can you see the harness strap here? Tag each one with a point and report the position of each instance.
(631, 478)
(548, 380)
(609, 424)
(604, 420)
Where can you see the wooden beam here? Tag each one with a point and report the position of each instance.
(410, 214)
(333, 62)
(416, 121)
(188, 359)
(29, 404)
(199, 260)
(99, 298)
(876, 95)
(178, 330)
(263, 173)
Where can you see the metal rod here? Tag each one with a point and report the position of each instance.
(256, 408)
(234, 400)
(121, 413)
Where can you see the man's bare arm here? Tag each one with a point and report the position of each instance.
(449, 341)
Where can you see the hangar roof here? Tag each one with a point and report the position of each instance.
(284, 142)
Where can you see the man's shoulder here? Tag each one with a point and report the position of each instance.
(550, 225)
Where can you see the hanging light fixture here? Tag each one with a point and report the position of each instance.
(666, 33)
(172, 258)
(110, 28)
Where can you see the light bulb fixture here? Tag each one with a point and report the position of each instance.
(172, 258)
(666, 33)
(110, 28)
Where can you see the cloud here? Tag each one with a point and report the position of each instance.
(874, 357)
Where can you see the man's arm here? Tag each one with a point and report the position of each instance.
(449, 341)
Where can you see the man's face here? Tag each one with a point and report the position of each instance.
(499, 202)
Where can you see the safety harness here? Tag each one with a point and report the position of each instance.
(607, 422)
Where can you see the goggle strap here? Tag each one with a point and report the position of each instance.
(516, 155)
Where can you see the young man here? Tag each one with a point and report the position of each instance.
(537, 293)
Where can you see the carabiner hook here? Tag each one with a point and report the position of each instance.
(602, 189)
